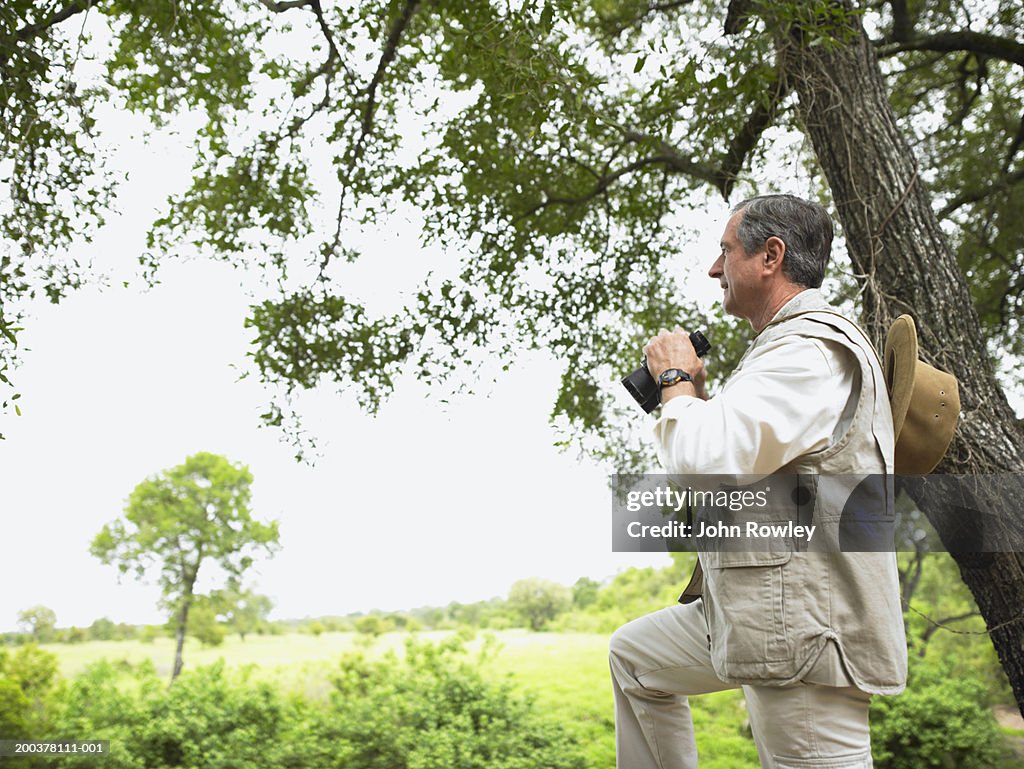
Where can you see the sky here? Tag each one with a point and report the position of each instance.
(425, 503)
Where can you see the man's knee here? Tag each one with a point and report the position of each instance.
(623, 641)
(618, 645)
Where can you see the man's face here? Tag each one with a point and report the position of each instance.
(739, 273)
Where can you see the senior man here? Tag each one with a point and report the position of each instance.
(810, 636)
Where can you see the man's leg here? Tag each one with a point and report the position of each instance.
(807, 726)
(656, 662)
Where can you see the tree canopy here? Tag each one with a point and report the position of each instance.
(551, 143)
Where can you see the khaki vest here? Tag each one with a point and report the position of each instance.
(825, 617)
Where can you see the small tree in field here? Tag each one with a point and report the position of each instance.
(185, 517)
(538, 601)
(243, 611)
(203, 624)
(40, 621)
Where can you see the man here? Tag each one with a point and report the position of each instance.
(810, 636)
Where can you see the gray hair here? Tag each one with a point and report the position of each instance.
(805, 228)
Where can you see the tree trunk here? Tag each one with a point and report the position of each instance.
(179, 637)
(906, 266)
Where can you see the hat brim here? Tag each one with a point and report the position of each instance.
(900, 362)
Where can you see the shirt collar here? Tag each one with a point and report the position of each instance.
(807, 299)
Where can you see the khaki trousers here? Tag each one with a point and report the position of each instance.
(658, 661)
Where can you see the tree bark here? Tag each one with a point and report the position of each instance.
(179, 637)
(907, 266)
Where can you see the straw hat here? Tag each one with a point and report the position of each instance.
(925, 402)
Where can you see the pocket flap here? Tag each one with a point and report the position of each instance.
(728, 559)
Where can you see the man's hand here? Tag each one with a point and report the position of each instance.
(673, 349)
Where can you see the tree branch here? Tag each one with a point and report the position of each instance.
(938, 625)
(387, 56)
(1015, 145)
(676, 161)
(669, 158)
(743, 143)
(902, 23)
(973, 196)
(736, 16)
(71, 9)
(366, 123)
(286, 5)
(616, 27)
(978, 43)
(723, 177)
(603, 183)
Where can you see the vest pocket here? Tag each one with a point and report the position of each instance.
(745, 597)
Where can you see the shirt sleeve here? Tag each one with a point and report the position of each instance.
(785, 401)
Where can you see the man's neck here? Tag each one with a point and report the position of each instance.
(775, 302)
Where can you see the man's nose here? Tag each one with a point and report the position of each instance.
(716, 268)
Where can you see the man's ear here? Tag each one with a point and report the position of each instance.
(774, 252)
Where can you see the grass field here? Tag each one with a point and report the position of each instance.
(565, 673)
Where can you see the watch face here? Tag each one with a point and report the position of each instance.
(673, 376)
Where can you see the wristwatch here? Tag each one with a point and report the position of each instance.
(672, 376)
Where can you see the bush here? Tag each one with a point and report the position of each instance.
(430, 709)
(207, 718)
(941, 720)
(14, 711)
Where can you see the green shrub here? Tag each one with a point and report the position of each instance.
(207, 718)
(941, 720)
(33, 669)
(14, 711)
(430, 709)
(100, 704)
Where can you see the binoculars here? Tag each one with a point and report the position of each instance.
(645, 388)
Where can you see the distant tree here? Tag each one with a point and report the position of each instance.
(402, 621)
(40, 621)
(538, 601)
(203, 624)
(315, 628)
(584, 592)
(243, 611)
(177, 521)
(74, 635)
(102, 629)
(372, 625)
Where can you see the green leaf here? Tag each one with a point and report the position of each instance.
(546, 16)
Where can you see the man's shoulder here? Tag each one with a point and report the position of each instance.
(801, 351)
(808, 305)
(809, 314)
